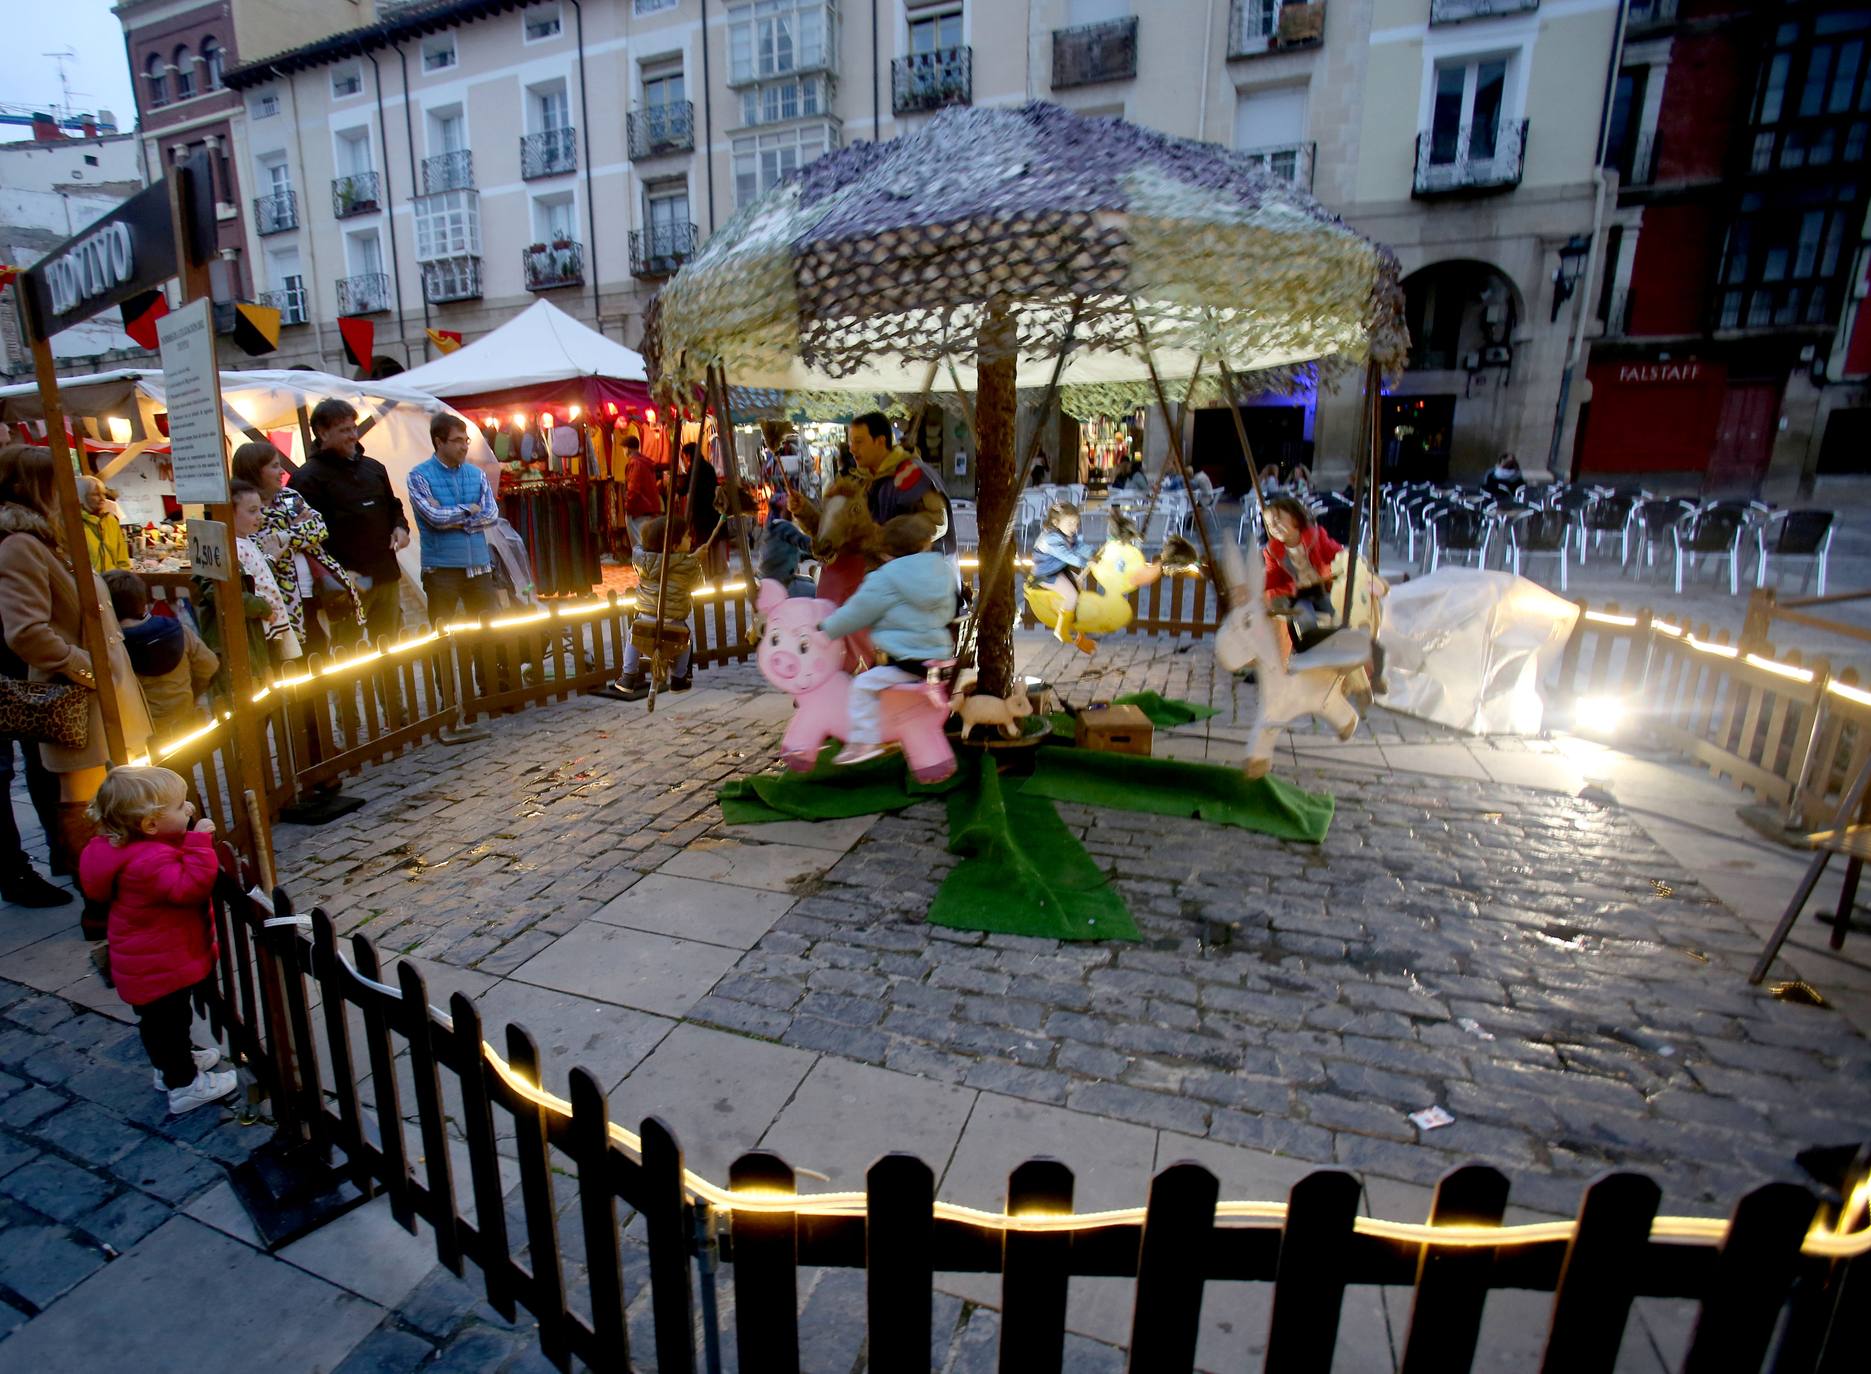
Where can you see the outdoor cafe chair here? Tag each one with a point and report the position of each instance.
(1652, 527)
(1459, 533)
(1539, 534)
(967, 526)
(1795, 534)
(1712, 532)
(1607, 515)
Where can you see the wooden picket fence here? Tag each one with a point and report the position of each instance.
(294, 1009)
(1784, 726)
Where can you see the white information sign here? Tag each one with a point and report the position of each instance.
(192, 389)
(210, 553)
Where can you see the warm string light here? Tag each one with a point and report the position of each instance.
(1839, 1241)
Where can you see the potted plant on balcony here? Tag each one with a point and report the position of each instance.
(1300, 25)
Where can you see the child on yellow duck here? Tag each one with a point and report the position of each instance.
(1060, 558)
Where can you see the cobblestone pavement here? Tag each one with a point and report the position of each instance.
(1471, 934)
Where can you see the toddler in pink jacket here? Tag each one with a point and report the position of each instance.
(153, 864)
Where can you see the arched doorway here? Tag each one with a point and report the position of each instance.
(1462, 314)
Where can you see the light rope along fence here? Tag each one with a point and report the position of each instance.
(1783, 1274)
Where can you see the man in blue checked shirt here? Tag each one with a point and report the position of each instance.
(454, 505)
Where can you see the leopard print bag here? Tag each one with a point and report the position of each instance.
(55, 712)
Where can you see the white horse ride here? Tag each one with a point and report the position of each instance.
(1311, 683)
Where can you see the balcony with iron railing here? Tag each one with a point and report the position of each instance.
(549, 153)
(289, 301)
(555, 264)
(1470, 160)
(448, 172)
(1456, 11)
(1263, 26)
(451, 279)
(661, 249)
(657, 130)
(1287, 161)
(1087, 54)
(276, 213)
(1650, 14)
(368, 293)
(355, 193)
(929, 80)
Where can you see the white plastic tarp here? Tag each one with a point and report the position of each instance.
(1467, 649)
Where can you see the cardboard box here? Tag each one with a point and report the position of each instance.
(1115, 730)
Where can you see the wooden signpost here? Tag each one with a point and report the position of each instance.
(164, 231)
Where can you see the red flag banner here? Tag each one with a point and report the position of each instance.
(140, 314)
(360, 338)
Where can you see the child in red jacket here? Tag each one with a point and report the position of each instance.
(1299, 579)
(155, 872)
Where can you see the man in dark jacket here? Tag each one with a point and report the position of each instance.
(366, 520)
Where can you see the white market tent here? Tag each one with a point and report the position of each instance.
(265, 405)
(540, 347)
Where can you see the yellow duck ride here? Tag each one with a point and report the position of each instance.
(1106, 584)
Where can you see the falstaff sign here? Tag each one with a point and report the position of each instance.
(128, 251)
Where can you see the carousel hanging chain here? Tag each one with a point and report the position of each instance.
(1175, 452)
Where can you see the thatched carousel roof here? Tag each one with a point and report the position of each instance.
(871, 262)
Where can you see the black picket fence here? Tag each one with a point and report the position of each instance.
(1778, 1281)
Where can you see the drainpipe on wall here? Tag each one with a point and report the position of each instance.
(591, 197)
(409, 131)
(708, 122)
(1575, 344)
(389, 201)
(311, 239)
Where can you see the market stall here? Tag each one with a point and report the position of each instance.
(555, 399)
(121, 420)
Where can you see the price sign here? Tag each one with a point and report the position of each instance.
(192, 392)
(209, 552)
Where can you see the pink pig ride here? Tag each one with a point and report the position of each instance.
(798, 659)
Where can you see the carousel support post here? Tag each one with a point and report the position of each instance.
(719, 380)
(1364, 455)
(997, 491)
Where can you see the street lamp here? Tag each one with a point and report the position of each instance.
(1571, 266)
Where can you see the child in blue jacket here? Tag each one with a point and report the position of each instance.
(1059, 556)
(907, 605)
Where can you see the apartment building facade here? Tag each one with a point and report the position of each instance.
(450, 161)
(1736, 349)
(179, 52)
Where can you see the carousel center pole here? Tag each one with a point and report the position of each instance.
(997, 490)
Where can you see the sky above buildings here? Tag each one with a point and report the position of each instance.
(99, 75)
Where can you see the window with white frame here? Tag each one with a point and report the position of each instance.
(264, 107)
(1270, 127)
(184, 62)
(276, 174)
(347, 81)
(1466, 113)
(211, 56)
(777, 37)
(663, 89)
(364, 253)
(1255, 23)
(666, 211)
(541, 22)
(438, 54)
(655, 6)
(770, 102)
(448, 225)
(448, 130)
(555, 219)
(157, 74)
(761, 161)
(549, 107)
(354, 153)
(931, 33)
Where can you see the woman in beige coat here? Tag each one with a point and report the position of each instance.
(40, 621)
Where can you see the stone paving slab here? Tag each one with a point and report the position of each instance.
(630, 967)
(666, 903)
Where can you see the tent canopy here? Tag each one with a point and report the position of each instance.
(540, 357)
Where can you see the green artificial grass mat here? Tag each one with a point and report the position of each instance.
(1170, 787)
(1165, 712)
(827, 793)
(1024, 872)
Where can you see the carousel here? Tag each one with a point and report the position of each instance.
(1005, 255)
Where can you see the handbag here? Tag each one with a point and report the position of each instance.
(54, 712)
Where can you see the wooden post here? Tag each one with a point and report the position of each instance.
(71, 517)
(997, 491)
(230, 603)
